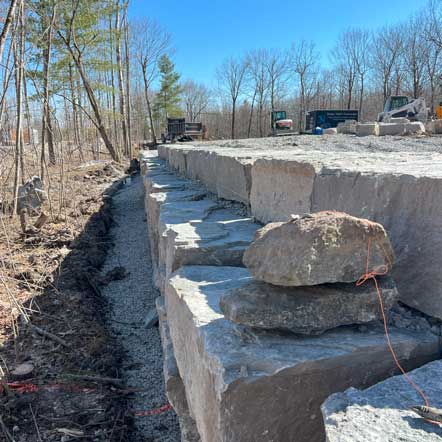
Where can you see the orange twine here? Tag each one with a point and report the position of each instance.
(380, 271)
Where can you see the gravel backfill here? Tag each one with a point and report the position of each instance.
(131, 298)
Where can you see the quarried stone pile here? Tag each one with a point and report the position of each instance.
(306, 271)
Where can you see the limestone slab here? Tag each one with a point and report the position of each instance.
(307, 310)
(247, 386)
(382, 412)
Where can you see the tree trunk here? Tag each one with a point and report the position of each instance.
(19, 61)
(8, 21)
(128, 97)
(233, 118)
(149, 107)
(120, 79)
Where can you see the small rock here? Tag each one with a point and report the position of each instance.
(23, 371)
(151, 318)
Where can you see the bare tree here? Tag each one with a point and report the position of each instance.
(344, 60)
(277, 65)
(150, 42)
(231, 80)
(414, 54)
(304, 62)
(259, 77)
(67, 35)
(385, 52)
(196, 98)
(359, 45)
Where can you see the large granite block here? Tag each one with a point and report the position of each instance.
(178, 159)
(154, 201)
(382, 413)
(219, 239)
(281, 188)
(244, 386)
(174, 385)
(233, 177)
(410, 209)
(201, 166)
(172, 214)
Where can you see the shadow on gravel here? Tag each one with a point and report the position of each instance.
(66, 385)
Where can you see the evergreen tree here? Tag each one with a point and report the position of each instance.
(168, 98)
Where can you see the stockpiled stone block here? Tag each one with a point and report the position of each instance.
(383, 412)
(244, 385)
(364, 129)
(415, 127)
(318, 248)
(307, 310)
(391, 129)
(281, 188)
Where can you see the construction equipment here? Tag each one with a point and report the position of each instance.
(326, 119)
(281, 125)
(438, 111)
(180, 130)
(400, 106)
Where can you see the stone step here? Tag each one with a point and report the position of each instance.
(244, 385)
(382, 412)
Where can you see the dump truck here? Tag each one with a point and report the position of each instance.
(178, 129)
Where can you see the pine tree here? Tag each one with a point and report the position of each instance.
(168, 98)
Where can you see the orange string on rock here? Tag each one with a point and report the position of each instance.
(380, 271)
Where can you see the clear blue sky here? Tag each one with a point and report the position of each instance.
(206, 32)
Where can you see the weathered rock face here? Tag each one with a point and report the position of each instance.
(307, 310)
(319, 248)
(243, 385)
(382, 412)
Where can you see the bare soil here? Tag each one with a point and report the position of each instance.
(52, 317)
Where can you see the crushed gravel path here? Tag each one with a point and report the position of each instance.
(131, 299)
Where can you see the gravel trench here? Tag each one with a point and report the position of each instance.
(131, 298)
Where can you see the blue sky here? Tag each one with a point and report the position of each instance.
(206, 32)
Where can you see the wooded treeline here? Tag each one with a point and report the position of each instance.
(80, 78)
(361, 71)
